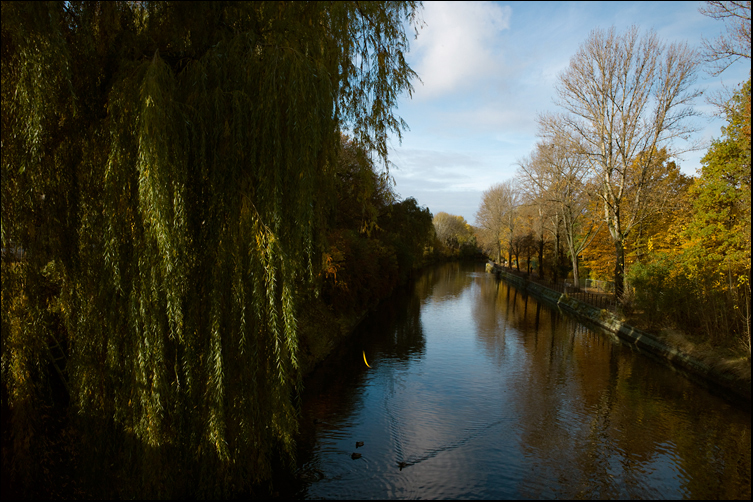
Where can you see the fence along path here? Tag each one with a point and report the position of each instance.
(595, 293)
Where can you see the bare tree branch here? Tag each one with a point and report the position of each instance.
(728, 48)
(627, 98)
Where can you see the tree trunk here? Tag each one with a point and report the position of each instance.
(556, 267)
(541, 257)
(576, 274)
(528, 261)
(619, 269)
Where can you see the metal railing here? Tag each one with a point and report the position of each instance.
(605, 286)
(595, 293)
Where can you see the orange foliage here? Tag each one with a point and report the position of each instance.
(654, 233)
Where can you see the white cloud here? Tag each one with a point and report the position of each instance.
(458, 45)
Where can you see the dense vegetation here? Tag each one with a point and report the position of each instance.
(699, 254)
(455, 238)
(374, 241)
(174, 184)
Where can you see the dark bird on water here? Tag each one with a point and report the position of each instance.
(359, 444)
(401, 465)
(354, 456)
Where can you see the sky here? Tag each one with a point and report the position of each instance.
(489, 68)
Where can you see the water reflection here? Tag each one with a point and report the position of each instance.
(477, 390)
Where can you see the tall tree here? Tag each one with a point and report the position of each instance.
(626, 97)
(559, 174)
(497, 217)
(718, 237)
(163, 165)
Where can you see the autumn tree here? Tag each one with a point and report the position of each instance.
(454, 232)
(718, 238)
(526, 242)
(652, 234)
(372, 241)
(537, 209)
(559, 174)
(164, 167)
(497, 218)
(490, 217)
(626, 97)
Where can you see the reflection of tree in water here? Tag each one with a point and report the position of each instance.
(394, 329)
(711, 438)
(491, 321)
(566, 403)
(595, 420)
(599, 421)
(334, 390)
(500, 310)
(445, 281)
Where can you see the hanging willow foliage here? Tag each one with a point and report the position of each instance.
(164, 169)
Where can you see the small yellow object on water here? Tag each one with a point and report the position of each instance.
(364, 359)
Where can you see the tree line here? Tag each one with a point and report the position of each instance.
(453, 238)
(602, 187)
(181, 185)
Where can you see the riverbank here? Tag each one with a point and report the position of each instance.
(711, 372)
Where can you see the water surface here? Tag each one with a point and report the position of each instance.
(477, 390)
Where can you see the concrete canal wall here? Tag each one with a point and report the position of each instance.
(647, 343)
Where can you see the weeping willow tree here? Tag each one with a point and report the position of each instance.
(165, 168)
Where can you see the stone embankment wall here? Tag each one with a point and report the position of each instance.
(606, 320)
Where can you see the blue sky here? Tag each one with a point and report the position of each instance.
(489, 68)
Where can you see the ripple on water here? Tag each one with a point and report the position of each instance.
(522, 404)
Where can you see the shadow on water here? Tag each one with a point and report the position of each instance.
(391, 332)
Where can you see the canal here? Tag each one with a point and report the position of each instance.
(476, 390)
